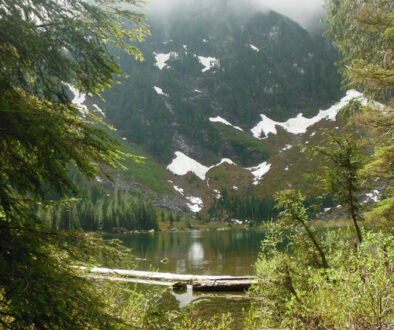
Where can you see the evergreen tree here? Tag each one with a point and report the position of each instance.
(363, 32)
(45, 46)
(171, 219)
(342, 179)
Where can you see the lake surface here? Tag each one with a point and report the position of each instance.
(202, 252)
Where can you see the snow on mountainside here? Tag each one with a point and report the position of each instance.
(203, 88)
(183, 164)
(219, 119)
(161, 59)
(259, 171)
(299, 124)
(208, 62)
(159, 91)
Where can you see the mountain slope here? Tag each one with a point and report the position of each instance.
(208, 81)
(197, 67)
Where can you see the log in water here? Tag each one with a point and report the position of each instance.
(198, 282)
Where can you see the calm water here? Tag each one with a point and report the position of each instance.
(227, 252)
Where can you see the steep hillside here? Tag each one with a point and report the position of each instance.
(221, 101)
(200, 65)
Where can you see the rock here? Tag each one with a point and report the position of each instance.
(179, 286)
(164, 260)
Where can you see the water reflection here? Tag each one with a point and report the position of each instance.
(196, 254)
(229, 252)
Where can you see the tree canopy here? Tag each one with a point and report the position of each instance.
(45, 47)
(363, 31)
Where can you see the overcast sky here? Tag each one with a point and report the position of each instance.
(301, 11)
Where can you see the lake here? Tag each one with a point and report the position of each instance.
(200, 252)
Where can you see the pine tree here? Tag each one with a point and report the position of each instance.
(363, 31)
(46, 46)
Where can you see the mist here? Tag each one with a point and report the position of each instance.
(304, 12)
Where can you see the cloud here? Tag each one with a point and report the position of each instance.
(302, 11)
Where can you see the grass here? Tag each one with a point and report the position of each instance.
(147, 172)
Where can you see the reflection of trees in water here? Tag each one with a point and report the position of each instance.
(230, 252)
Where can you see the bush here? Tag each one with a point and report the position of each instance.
(354, 292)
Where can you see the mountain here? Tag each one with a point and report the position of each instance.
(204, 105)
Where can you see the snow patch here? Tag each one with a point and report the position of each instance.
(207, 62)
(178, 189)
(183, 164)
(300, 124)
(224, 161)
(159, 91)
(223, 121)
(195, 204)
(286, 147)
(254, 47)
(259, 171)
(266, 126)
(162, 58)
(217, 193)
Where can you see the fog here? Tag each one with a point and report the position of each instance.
(304, 12)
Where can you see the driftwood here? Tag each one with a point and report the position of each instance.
(198, 282)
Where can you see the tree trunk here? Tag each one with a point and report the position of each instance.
(319, 249)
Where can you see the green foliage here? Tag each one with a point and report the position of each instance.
(44, 47)
(147, 308)
(242, 206)
(38, 284)
(171, 219)
(102, 210)
(146, 171)
(355, 292)
(363, 32)
(294, 217)
(342, 178)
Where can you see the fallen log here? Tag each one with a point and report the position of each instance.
(198, 282)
